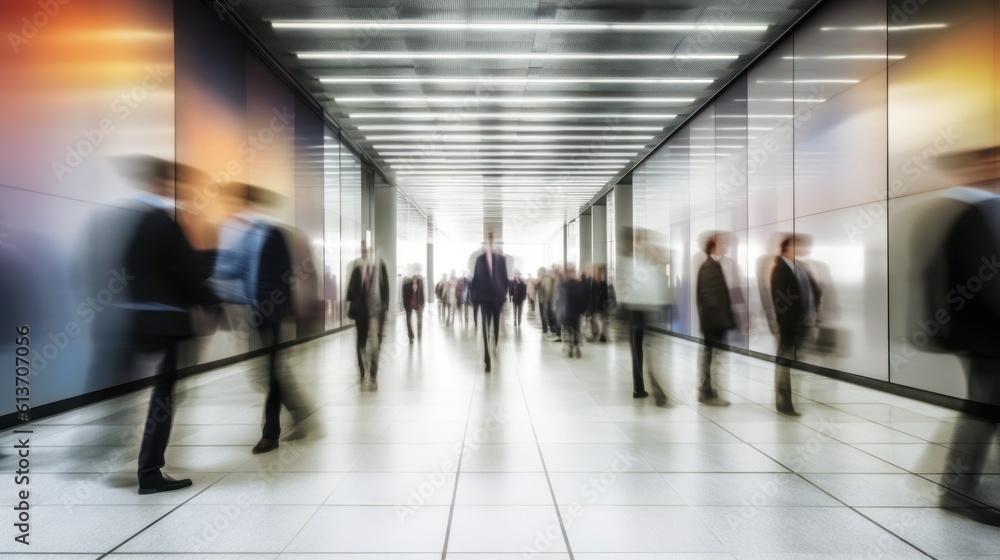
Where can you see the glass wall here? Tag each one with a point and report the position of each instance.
(411, 242)
(169, 80)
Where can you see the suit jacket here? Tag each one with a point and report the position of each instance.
(518, 291)
(272, 285)
(972, 250)
(168, 278)
(715, 309)
(356, 297)
(408, 288)
(487, 289)
(789, 307)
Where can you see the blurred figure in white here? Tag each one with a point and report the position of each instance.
(645, 295)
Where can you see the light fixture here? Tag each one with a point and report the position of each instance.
(887, 28)
(486, 80)
(532, 172)
(519, 160)
(522, 155)
(515, 166)
(595, 146)
(819, 81)
(500, 138)
(507, 116)
(341, 55)
(848, 57)
(514, 26)
(507, 127)
(478, 100)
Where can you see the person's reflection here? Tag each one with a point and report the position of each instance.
(796, 297)
(971, 304)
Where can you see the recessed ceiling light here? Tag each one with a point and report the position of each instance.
(539, 172)
(493, 154)
(848, 57)
(508, 56)
(506, 116)
(514, 26)
(887, 27)
(432, 138)
(595, 146)
(517, 159)
(819, 81)
(494, 80)
(506, 127)
(478, 100)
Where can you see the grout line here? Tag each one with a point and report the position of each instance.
(541, 457)
(458, 467)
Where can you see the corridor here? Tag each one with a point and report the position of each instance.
(559, 461)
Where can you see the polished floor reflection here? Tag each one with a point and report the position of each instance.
(546, 457)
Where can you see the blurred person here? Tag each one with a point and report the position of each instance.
(796, 297)
(645, 297)
(413, 303)
(439, 294)
(544, 297)
(451, 297)
(715, 313)
(601, 297)
(251, 269)
(963, 289)
(575, 298)
(553, 281)
(462, 297)
(168, 281)
(470, 297)
(330, 291)
(368, 304)
(531, 282)
(518, 293)
(490, 284)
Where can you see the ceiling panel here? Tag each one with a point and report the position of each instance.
(512, 111)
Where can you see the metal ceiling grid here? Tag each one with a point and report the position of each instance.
(529, 164)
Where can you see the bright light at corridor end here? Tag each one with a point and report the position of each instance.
(517, 26)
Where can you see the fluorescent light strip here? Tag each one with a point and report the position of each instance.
(824, 81)
(511, 100)
(848, 57)
(492, 80)
(340, 55)
(381, 147)
(506, 127)
(583, 154)
(499, 138)
(511, 162)
(507, 116)
(888, 28)
(497, 168)
(512, 26)
(532, 172)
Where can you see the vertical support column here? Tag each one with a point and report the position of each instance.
(599, 237)
(565, 245)
(384, 237)
(585, 240)
(623, 222)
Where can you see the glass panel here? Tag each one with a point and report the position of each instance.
(770, 169)
(840, 108)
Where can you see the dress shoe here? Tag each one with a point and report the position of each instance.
(265, 445)
(639, 394)
(603, 338)
(713, 400)
(578, 354)
(788, 411)
(165, 485)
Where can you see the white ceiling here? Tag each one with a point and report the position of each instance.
(512, 112)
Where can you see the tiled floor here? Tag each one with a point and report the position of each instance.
(546, 457)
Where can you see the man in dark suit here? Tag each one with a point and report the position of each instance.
(258, 263)
(518, 293)
(168, 279)
(715, 312)
(368, 300)
(796, 297)
(413, 302)
(489, 286)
